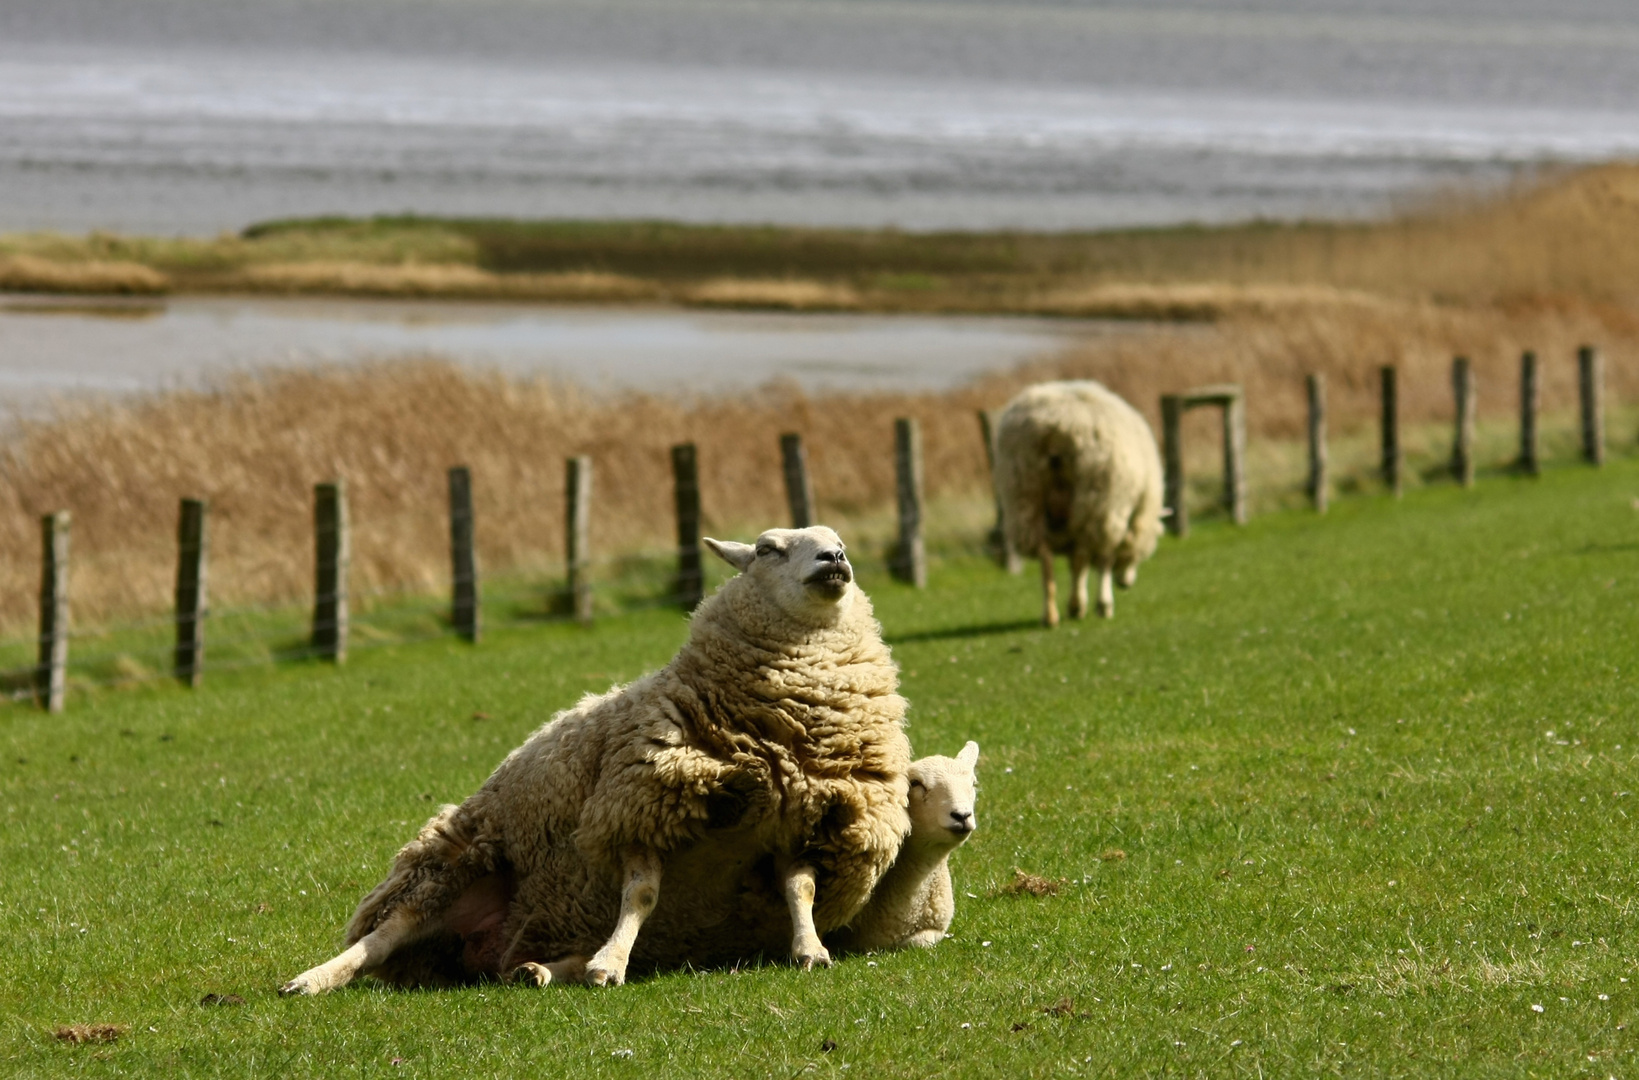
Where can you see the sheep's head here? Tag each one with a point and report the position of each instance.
(805, 572)
(943, 791)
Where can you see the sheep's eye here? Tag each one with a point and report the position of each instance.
(918, 784)
(768, 549)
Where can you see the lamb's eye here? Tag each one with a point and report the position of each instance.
(919, 784)
(768, 549)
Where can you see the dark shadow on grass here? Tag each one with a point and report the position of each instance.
(964, 632)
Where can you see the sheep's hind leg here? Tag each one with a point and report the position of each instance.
(1078, 585)
(571, 969)
(1049, 588)
(369, 951)
(1106, 592)
(807, 952)
(640, 870)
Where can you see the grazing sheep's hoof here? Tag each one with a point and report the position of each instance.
(1128, 577)
(820, 957)
(531, 975)
(1050, 618)
(601, 973)
(301, 986)
(1106, 609)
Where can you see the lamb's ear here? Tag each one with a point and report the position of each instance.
(734, 553)
(969, 757)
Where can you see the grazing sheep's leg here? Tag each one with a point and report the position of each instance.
(1078, 583)
(368, 952)
(571, 969)
(806, 950)
(1049, 588)
(640, 869)
(1106, 592)
(1128, 577)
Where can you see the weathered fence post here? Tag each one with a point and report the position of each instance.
(465, 616)
(1172, 453)
(691, 583)
(1391, 428)
(998, 542)
(910, 558)
(1234, 409)
(1318, 484)
(333, 550)
(1590, 371)
(577, 531)
(799, 489)
(192, 545)
(1462, 446)
(51, 676)
(1529, 400)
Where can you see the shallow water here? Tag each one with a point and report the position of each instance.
(51, 348)
(194, 116)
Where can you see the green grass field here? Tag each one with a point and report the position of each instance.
(1346, 796)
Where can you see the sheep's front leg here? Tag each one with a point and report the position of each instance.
(1106, 592)
(640, 872)
(1049, 588)
(806, 950)
(367, 952)
(1078, 585)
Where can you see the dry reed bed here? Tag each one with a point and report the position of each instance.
(255, 446)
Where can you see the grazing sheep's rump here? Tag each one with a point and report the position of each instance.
(1078, 474)
(774, 735)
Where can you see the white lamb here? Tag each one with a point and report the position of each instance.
(1078, 474)
(914, 902)
(769, 755)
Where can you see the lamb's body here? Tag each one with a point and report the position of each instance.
(914, 902)
(1078, 474)
(770, 746)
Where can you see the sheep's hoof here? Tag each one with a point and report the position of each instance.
(819, 958)
(1106, 611)
(300, 986)
(598, 975)
(531, 974)
(1051, 619)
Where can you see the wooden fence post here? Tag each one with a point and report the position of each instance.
(910, 558)
(1591, 379)
(1391, 429)
(1235, 457)
(192, 545)
(51, 676)
(691, 583)
(1318, 482)
(998, 542)
(1529, 400)
(1462, 446)
(333, 550)
(1172, 452)
(577, 530)
(799, 489)
(465, 615)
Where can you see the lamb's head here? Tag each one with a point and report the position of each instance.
(803, 572)
(942, 795)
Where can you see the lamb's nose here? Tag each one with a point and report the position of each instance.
(832, 555)
(963, 819)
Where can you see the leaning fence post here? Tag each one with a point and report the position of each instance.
(1235, 456)
(1462, 446)
(686, 486)
(192, 544)
(577, 530)
(1172, 448)
(1529, 399)
(333, 549)
(465, 616)
(1591, 380)
(1391, 428)
(799, 489)
(51, 676)
(1318, 484)
(1000, 545)
(910, 558)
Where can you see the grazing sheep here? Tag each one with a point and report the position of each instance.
(914, 903)
(771, 748)
(1078, 474)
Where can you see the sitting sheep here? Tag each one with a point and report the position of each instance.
(771, 747)
(914, 903)
(1078, 474)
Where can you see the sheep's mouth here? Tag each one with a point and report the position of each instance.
(962, 829)
(831, 580)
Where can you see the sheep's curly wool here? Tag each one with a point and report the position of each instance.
(763, 738)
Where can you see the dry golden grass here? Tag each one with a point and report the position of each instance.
(429, 280)
(256, 445)
(32, 273)
(1197, 302)
(783, 295)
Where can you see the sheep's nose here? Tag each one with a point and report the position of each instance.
(832, 555)
(963, 820)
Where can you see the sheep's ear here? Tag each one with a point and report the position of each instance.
(969, 757)
(734, 553)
